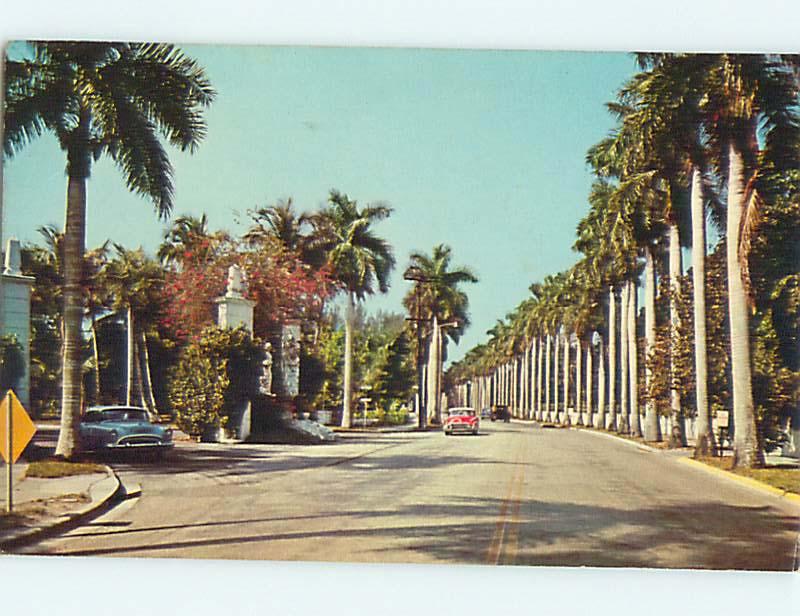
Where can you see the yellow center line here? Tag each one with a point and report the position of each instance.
(507, 525)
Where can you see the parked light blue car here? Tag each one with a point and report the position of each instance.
(118, 428)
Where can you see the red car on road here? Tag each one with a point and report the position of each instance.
(461, 419)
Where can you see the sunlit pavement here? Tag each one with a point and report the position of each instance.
(515, 494)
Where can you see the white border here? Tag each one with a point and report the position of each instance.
(100, 586)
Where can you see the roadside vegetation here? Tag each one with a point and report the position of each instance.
(782, 477)
(705, 145)
(53, 468)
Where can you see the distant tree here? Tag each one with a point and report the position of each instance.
(135, 284)
(440, 295)
(188, 241)
(358, 260)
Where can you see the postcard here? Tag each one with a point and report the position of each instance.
(415, 306)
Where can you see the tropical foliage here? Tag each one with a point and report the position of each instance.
(114, 99)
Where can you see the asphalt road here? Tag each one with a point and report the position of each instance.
(515, 494)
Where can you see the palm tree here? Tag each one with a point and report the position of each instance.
(102, 98)
(749, 96)
(739, 101)
(281, 223)
(91, 284)
(439, 293)
(188, 240)
(97, 301)
(438, 296)
(135, 285)
(668, 106)
(358, 259)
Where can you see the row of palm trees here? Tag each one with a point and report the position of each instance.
(695, 133)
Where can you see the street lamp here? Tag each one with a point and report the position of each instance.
(415, 275)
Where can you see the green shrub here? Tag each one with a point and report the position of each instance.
(215, 377)
(397, 415)
(197, 391)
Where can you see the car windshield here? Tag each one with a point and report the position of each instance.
(130, 415)
(470, 412)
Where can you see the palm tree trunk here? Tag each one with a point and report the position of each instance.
(539, 363)
(612, 359)
(633, 354)
(578, 382)
(68, 445)
(502, 379)
(547, 357)
(624, 419)
(131, 372)
(526, 383)
(589, 384)
(510, 383)
(652, 428)
(677, 436)
(565, 384)
(347, 394)
(704, 443)
(137, 356)
(96, 354)
(527, 407)
(746, 447)
(433, 375)
(523, 391)
(556, 368)
(534, 372)
(515, 384)
(601, 386)
(147, 377)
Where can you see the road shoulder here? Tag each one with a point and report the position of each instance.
(745, 481)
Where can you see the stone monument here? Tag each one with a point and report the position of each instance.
(234, 310)
(15, 312)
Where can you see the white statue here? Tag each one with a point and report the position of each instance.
(290, 359)
(237, 284)
(265, 380)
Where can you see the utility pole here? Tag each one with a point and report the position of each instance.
(417, 277)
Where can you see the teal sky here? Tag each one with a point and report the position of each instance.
(481, 150)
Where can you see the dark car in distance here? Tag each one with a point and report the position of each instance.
(501, 412)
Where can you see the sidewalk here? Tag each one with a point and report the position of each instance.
(46, 506)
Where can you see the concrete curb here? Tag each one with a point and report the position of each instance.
(102, 493)
(619, 439)
(380, 430)
(746, 481)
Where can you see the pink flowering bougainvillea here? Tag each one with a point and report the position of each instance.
(283, 287)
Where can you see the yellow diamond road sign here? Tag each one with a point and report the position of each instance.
(21, 424)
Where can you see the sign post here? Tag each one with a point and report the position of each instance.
(10, 445)
(16, 431)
